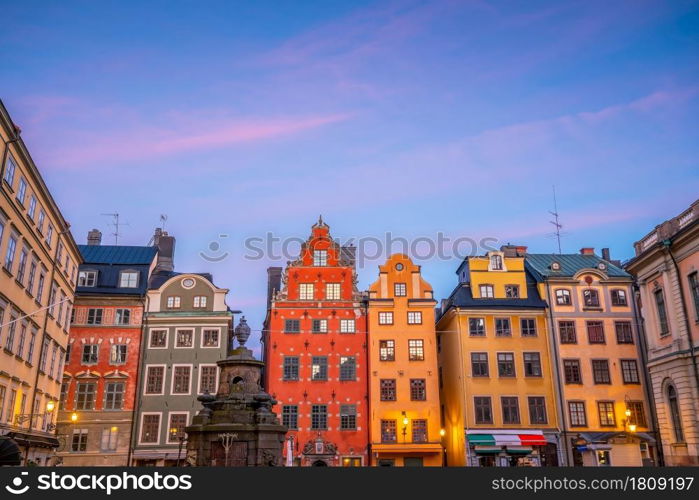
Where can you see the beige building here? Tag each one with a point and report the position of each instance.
(666, 267)
(38, 267)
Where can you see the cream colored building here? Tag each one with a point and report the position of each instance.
(38, 268)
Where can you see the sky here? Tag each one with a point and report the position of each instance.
(241, 119)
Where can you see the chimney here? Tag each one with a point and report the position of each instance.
(166, 250)
(94, 237)
(606, 255)
(348, 255)
(509, 250)
(587, 251)
(521, 250)
(274, 283)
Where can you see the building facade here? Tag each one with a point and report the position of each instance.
(187, 330)
(403, 373)
(602, 391)
(315, 344)
(38, 271)
(98, 393)
(498, 392)
(666, 268)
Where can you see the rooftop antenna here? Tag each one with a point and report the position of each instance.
(116, 224)
(556, 223)
(163, 219)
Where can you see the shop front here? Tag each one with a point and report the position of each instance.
(607, 449)
(507, 448)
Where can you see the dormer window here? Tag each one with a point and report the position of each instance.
(173, 302)
(602, 266)
(128, 279)
(200, 301)
(555, 266)
(487, 291)
(320, 257)
(87, 278)
(496, 262)
(512, 291)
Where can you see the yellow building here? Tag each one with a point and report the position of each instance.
(599, 367)
(38, 269)
(403, 374)
(497, 388)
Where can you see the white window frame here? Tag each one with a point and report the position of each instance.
(108, 429)
(320, 258)
(85, 274)
(199, 302)
(194, 337)
(124, 273)
(201, 339)
(218, 375)
(354, 325)
(412, 315)
(145, 380)
(169, 414)
(167, 337)
(160, 428)
(385, 317)
(176, 302)
(306, 291)
(172, 379)
(333, 291)
(486, 287)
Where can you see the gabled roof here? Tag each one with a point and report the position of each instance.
(117, 254)
(539, 264)
(159, 278)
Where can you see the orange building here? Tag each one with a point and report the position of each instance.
(315, 354)
(403, 373)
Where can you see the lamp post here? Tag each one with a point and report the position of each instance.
(180, 436)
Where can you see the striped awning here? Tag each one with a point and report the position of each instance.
(528, 439)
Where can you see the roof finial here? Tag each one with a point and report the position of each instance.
(320, 222)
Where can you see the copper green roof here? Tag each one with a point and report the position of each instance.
(539, 264)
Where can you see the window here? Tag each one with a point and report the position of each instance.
(595, 332)
(418, 389)
(414, 317)
(571, 371)
(566, 330)
(332, 291)
(623, 332)
(22, 190)
(416, 350)
(128, 279)
(388, 389)
(638, 416)
(479, 364)
(10, 167)
(32, 207)
(49, 234)
(109, 439)
(600, 371)
(400, 289)
(85, 396)
(487, 291)
(606, 413)
(694, 288)
(537, 410)
(484, 410)
(155, 376)
(158, 338)
(510, 409)
(208, 375)
(629, 371)
(173, 302)
(532, 364)
(94, 316)
(65, 386)
(675, 414)
(40, 222)
(348, 417)
(54, 353)
(90, 354)
(44, 355)
(576, 410)
(113, 395)
(22, 339)
(11, 249)
(79, 442)
(123, 316)
(590, 298)
(319, 326)
(209, 337)
(476, 327)
(496, 262)
(320, 257)
(184, 338)
(528, 327)
(150, 428)
(619, 297)
(291, 368)
(200, 301)
(319, 417)
(11, 407)
(388, 431)
(662, 313)
(181, 378)
(3, 390)
(40, 287)
(347, 326)
(32, 276)
(502, 327)
(387, 350)
(305, 291)
(419, 431)
(319, 368)
(348, 368)
(292, 326)
(21, 268)
(506, 364)
(32, 343)
(512, 291)
(290, 416)
(117, 354)
(175, 430)
(385, 318)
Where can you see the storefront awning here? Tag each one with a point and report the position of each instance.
(487, 450)
(519, 450)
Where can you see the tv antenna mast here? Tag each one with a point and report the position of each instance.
(117, 225)
(163, 220)
(556, 221)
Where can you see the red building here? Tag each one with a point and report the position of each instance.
(315, 351)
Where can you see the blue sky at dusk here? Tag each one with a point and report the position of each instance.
(243, 118)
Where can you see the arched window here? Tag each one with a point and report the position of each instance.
(675, 414)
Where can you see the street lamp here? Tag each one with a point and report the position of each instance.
(405, 425)
(631, 427)
(180, 436)
(50, 405)
(74, 417)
